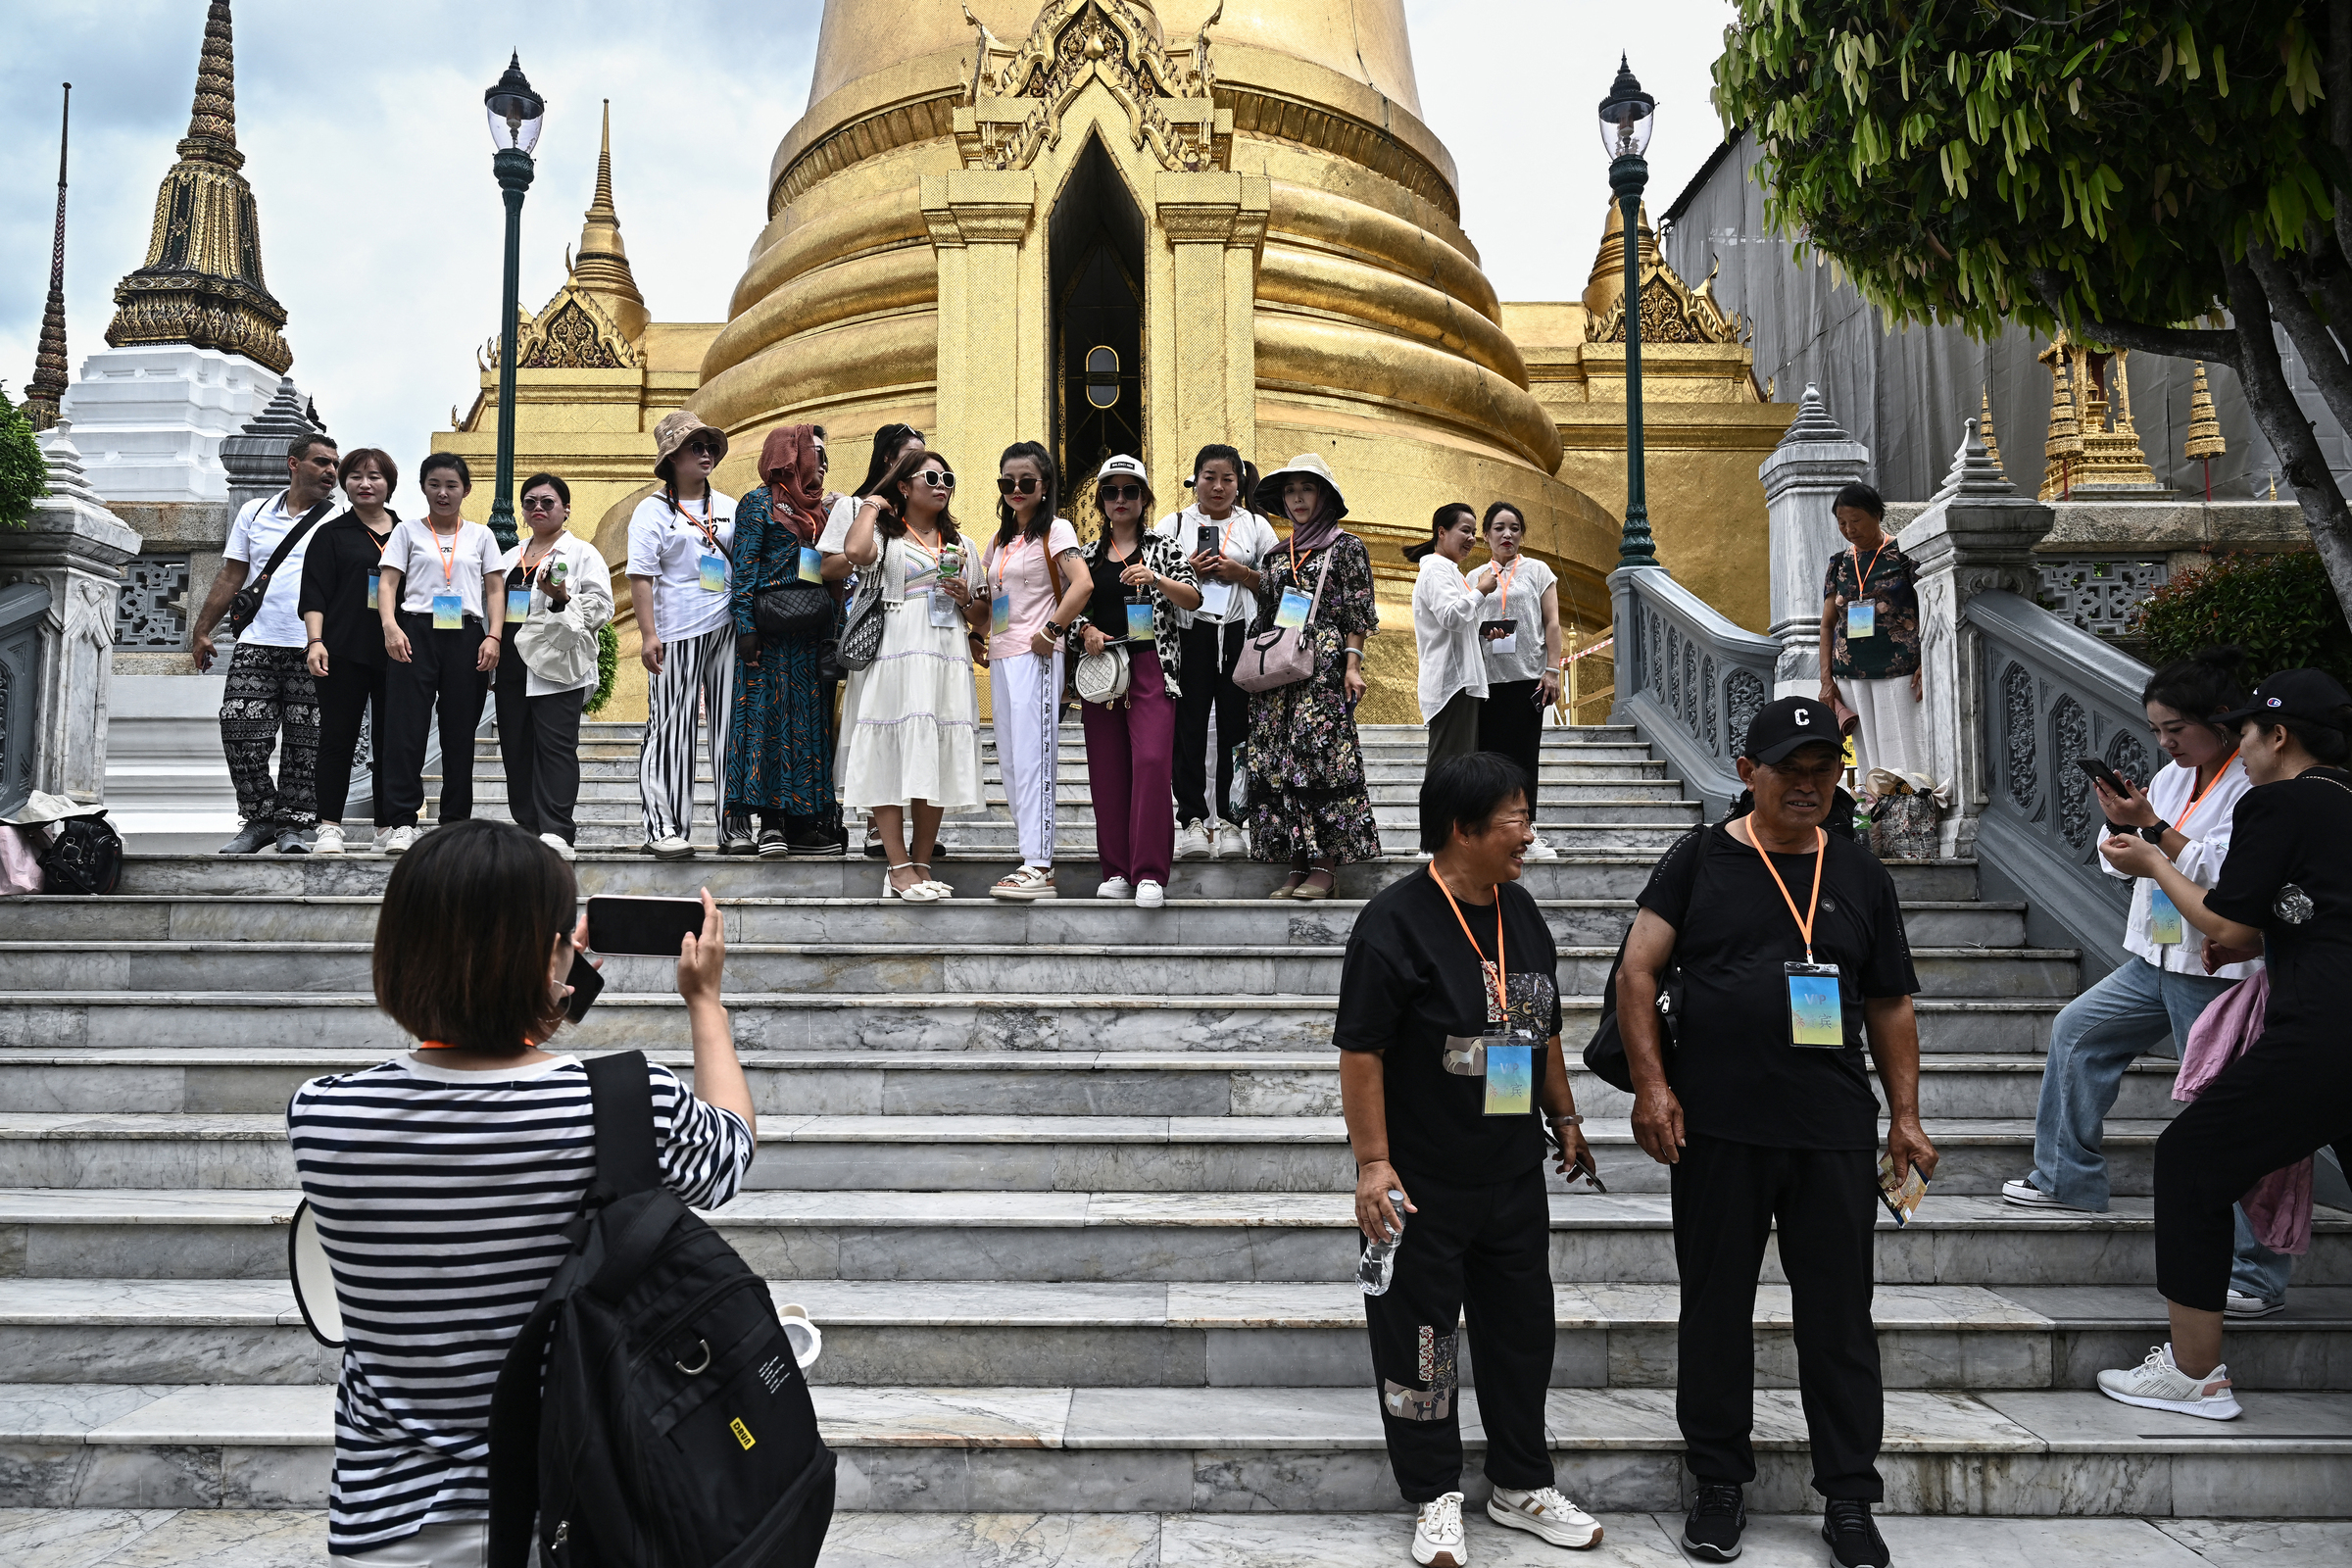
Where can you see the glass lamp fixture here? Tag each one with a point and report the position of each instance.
(1626, 115)
(516, 112)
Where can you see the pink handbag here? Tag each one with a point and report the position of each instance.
(20, 859)
(1281, 657)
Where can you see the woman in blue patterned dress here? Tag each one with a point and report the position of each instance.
(780, 756)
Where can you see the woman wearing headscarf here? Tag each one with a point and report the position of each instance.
(780, 754)
(1307, 800)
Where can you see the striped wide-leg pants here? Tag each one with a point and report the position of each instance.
(698, 677)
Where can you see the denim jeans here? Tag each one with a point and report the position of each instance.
(2095, 1039)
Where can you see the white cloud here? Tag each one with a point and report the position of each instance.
(381, 226)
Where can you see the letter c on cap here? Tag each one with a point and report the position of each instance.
(1803, 717)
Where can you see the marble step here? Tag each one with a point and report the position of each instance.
(1257, 1450)
(1239, 923)
(1588, 875)
(1590, 800)
(963, 1152)
(1164, 968)
(1120, 1238)
(1075, 808)
(853, 1022)
(1206, 1335)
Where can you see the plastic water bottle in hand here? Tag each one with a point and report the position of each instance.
(1377, 1268)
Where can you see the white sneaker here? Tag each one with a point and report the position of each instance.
(2158, 1385)
(1540, 850)
(2025, 1195)
(1194, 842)
(672, 847)
(1545, 1512)
(555, 842)
(1438, 1534)
(2242, 1306)
(1232, 843)
(329, 840)
(1115, 887)
(400, 840)
(1150, 895)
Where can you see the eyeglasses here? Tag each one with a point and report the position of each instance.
(708, 449)
(1513, 823)
(1025, 485)
(540, 502)
(937, 479)
(1120, 492)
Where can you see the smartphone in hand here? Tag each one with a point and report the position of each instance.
(654, 926)
(2116, 783)
(586, 982)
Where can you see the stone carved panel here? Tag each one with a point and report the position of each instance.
(1706, 692)
(1743, 698)
(2070, 738)
(151, 612)
(2017, 735)
(2128, 757)
(2097, 593)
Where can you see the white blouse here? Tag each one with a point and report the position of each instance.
(2200, 860)
(1446, 616)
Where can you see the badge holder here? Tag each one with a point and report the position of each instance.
(1510, 1060)
(945, 612)
(999, 615)
(518, 603)
(1861, 619)
(1290, 615)
(375, 579)
(1140, 623)
(1217, 602)
(813, 567)
(714, 575)
(2164, 926)
(1816, 1005)
(448, 613)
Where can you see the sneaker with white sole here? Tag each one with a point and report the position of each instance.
(1114, 887)
(1438, 1541)
(555, 842)
(670, 847)
(1194, 842)
(1540, 850)
(251, 839)
(399, 840)
(329, 840)
(1232, 843)
(2025, 1195)
(2156, 1383)
(1544, 1512)
(290, 842)
(1150, 895)
(2242, 1306)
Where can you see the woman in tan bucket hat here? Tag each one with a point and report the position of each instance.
(681, 585)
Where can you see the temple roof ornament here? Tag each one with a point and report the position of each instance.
(2204, 441)
(2091, 397)
(47, 388)
(1813, 421)
(202, 282)
(601, 266)
(572, 332)
(1016, 94)
(1672, 310)
(1993, 442)
(1974, 472)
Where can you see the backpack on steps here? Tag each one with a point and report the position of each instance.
(671, 1427)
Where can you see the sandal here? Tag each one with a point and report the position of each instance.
(1028, 883)
(922, 891)
(930, 881)
(1290, 889)
(1311, 889)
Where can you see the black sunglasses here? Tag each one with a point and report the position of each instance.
(540, 502)
(708, 449)
(1025, 485)
(1120, 492)
(938, 478)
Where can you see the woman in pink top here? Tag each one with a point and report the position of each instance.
(1036, 586)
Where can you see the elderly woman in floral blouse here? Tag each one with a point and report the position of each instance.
(1140, 581)
(1307, 800)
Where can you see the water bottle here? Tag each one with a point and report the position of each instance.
(1377, 1268)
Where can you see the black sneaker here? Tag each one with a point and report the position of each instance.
(1711, 1530)
(251, 839)
(1854, 1536)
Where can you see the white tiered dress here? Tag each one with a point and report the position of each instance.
(910, 720)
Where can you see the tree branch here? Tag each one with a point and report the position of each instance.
(2174, 342)
(2322, 354)
(2289, 429)
(2336, 72)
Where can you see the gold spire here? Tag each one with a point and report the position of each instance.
(202, 282)
(1993, 445)
(47, 388)
(1605, 287)
(2204, 424)
(2065, 443)
(601, 268)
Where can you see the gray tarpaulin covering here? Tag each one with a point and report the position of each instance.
(1904, 393)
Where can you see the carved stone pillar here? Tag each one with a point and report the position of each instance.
(1215, 225)
(1977, 535)
(76, 548)
(1801, 480)
(990, 335)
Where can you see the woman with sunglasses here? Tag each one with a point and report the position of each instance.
(914, 715)
(559, 597)
(1035, 586)
(891, 443)
(1309, 804)
(680, 585)
(1139, 581)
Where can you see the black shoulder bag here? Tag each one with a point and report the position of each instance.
(1605, 1053)
(248, 600)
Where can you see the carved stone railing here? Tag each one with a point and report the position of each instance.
(2055, 693)
(1689, 679)
(22, 608)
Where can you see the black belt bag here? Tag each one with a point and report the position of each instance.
(792, 611)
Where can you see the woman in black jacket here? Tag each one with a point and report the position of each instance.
(346, 653)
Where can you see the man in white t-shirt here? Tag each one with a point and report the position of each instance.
(270, 689)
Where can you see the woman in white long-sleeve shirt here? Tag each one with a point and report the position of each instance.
(1454, 668)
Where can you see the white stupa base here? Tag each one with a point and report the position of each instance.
(150, 420)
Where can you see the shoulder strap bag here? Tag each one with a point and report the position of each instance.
(248, 600)
(1278, 657)
(1605, 1053)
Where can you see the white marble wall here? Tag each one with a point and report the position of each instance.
(1802, 478)
(150, 419)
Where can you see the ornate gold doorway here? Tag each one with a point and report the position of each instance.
(1094, 245)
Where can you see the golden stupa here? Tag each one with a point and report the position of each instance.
(1240, 203)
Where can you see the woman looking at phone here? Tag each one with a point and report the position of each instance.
(444, 1178)
(1446, 616)
(1519, 634)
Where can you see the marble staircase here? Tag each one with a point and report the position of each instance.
(1066, 1185)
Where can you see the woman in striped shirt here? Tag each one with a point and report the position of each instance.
(442, 1179)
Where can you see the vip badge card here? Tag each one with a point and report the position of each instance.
(2164, 918)
(714, 575)
(1510, 1076)
(999, 615)
(813, 566)
(1292, 615)
(449, 611)
(1816, 1005)
(518, 603)
(1138, 623)
(1862, 618)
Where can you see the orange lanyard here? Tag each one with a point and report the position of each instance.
(1296, 578)
(530, 566)
(1502, 586)
(1494, 971)
(449, 557)
(1804, 921)
(1005, 560)
(2195, 801)
(1862, 577)
(705, 524)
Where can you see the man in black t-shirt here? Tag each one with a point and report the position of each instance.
(1449, 1067)
(1790, 945)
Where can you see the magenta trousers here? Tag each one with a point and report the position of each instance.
(1130, 761)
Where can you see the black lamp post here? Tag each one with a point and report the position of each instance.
(515, 113)
(1627, 117)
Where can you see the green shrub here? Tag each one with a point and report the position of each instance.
(24, 475)
(608, 659)
(2279, 608)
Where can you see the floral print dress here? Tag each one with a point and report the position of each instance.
(780, 745)
(1306, 769)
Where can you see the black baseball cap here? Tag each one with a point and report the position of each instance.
(1781, 727)
(2312, 695)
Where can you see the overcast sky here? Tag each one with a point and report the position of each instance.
(364, 140)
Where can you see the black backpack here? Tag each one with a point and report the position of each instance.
(84, 856)
(671, 1427)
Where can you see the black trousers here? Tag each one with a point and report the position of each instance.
(1513, 724)
(1454, 730)
(2281, 1100)
(1481, 1252)
(352, 692)
(1726, 1198)
(1209, 655)
(440, 674)
(539, 746)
